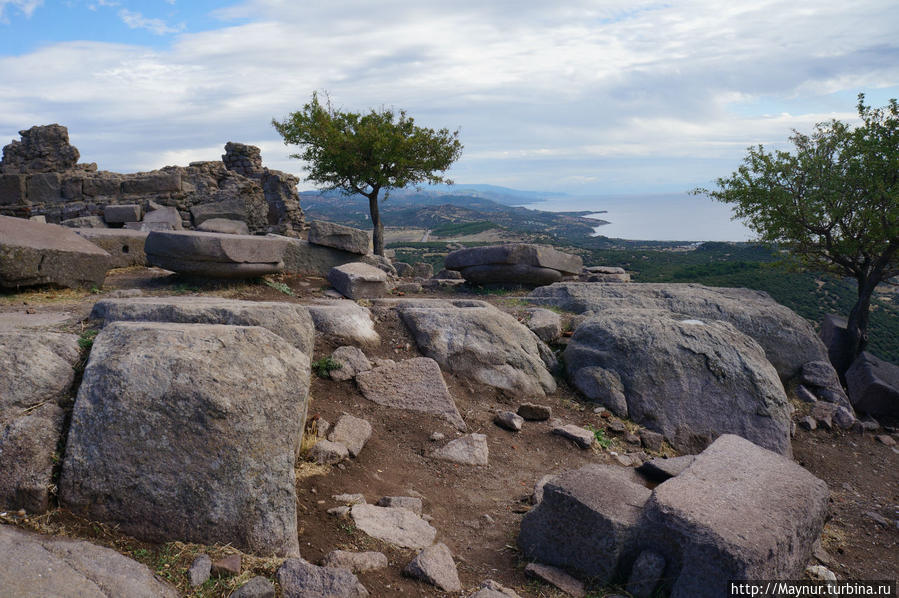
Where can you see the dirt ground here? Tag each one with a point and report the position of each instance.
(476, 510)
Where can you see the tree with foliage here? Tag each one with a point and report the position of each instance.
(833, 201)
(368, 153)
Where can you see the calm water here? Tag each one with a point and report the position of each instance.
(668, 217)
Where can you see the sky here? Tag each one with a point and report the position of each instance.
(582, 97)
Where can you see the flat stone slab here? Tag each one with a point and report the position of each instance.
(290, 321)
(470, 449)
(557, 578)
(189, 432)
(121, 213)
(582, 437)
(36, 565)
(27, 450)
(344, 321)
(397, 526)
(37, 367)
(738, 512)
(215, 254)
(586, 521)
(355, 562)
(345, 238)
(34, 253)
(224, 226)
(539, 256)
(414, 384)
(125, 247)
(492, 589)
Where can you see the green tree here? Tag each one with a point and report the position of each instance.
(368, 153)
(833, 201)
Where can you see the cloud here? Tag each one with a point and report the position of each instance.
(25, 7)
(136, 20)
(582, 94)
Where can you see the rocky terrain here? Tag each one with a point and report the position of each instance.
(351, 427)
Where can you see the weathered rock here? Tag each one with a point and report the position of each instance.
(258, 587)
(290, 321)
(403, 269)
(401, 527)
(33, 253)
(514, 254)
(546, 324)
(663, 469)
(224, 226)
(646, 574)
(874, 386)
(808, 423)
(484, 343)
(688, 380)
(492, 589)
(344, 322)
(352, 361)
(42, 149)
(582, 437)
(37, 367)
(448, 275)
(189, 432)
(358, 281)
(340, 237)
(435, 566)
(514, 274)
(470, 449)
(408, 287)
(299, 579)
(234, 210)
(125, 247)
(84, 222)
(557, 578)
(227, 565)
(166, 218)
(805, 395)
(534, 412)
(121, 213)
(585, 522)
(537, 494)
(303, 257)
(158, 181)
(35, 565)
(415, 384)
(738, 512)
(789, 340)
(651, 440)
(402, 502)
(28, 443)
(833, 335)
(509, 420)
(350, 498)
(352, 432)
(823, 414)
(422, 270)
(215, 254)
(200, 570)
(603, 386)
(326, 452)
(355, 562)
(605, 274)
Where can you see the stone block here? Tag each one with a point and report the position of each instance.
(340, 237)
(44, 188)
(12, 189)
(121, 213)
(152, 182)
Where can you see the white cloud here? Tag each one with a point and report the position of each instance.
(136, 20)
(583, 95)
(25, 7)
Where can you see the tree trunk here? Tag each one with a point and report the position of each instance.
(857, 326)
(377, 227)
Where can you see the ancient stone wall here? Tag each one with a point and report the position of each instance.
(40, 176)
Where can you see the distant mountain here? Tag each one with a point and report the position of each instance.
(503, 195)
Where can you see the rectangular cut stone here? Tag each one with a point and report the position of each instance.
(12, 189)
(101, 186)
(738, 512)
(515, 253)
(338, 236)
(121, 213)
(72, 187)
(156, 182)
(44, 188)
(125, 247)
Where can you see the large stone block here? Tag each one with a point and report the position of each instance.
(125, 247)
(229, 209)
(586, 522)
(340, 237)
(44, 188)
(102, 186)
(739, 512)
(33, 253)
(28, 443)
(358, 281)
(12, 189)
(290, 321)
(874, 385)
(215, 254)
(344, 322)
(152, 182)
(302, 257)
(121, 213)
(189, 432)
(538, 256)
(686, 379)
(37, 367)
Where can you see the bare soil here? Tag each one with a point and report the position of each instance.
(476, 510)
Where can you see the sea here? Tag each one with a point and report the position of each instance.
(659, 217)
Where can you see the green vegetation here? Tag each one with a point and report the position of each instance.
(600, 435)
(278, 286)
(461, 229)
(324, 366)
(86, 339)
(365, 153)
(833, 202)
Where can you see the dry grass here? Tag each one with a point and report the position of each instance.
(44, 296)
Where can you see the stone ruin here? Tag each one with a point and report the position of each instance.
(40, 177)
